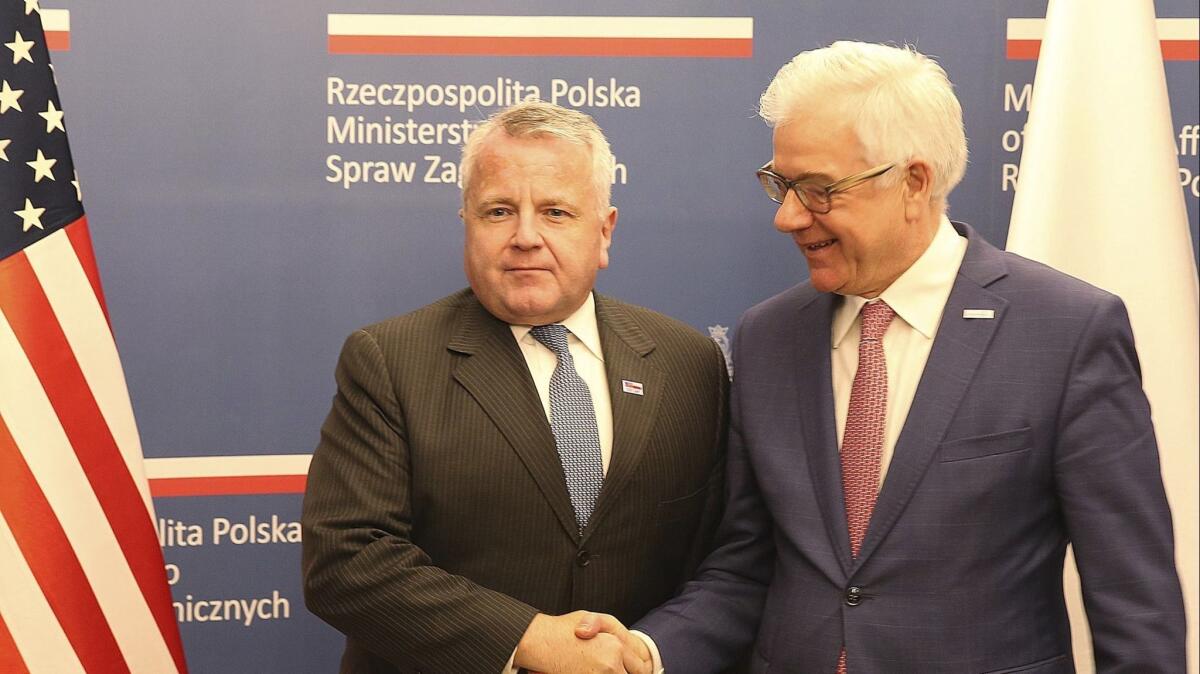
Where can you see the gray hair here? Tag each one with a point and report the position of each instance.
(533, 119)
(899, 103)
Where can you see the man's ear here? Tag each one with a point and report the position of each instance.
(607, 225)
(918, 189)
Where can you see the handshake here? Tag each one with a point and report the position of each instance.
(581, 642)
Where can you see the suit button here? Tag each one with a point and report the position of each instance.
(853, 595)
(583, 558)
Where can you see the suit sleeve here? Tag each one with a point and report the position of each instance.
(362, 572)
(712, 623)
(714, 502)
(1116, 513)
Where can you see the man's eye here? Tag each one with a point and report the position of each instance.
(556, 213)
(496, 212)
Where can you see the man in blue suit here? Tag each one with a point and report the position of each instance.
(922, 428)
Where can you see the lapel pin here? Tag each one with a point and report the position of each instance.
(634, 387)
(979, 313)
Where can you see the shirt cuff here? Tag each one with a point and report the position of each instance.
(655, 659)
(510, 668)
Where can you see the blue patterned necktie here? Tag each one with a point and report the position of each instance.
(573, 422)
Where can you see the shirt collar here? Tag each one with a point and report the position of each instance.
(582, 324)
(919, 295)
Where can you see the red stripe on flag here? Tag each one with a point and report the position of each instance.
(228, 485)
(10, 657)
(81, 241)
(1023, 50)
(1181, 50)
(58, 40)
(1172, 50)
(37, 329)
(52, 560)
(542, 46)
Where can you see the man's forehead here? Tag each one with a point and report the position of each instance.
(821, 149)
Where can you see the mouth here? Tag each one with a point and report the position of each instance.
(820, 245)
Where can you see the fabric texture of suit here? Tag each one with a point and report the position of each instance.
(437, 520)
(1028, 430)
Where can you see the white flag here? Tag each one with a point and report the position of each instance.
(1098, 197)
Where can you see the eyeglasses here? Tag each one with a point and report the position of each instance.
(816, 198)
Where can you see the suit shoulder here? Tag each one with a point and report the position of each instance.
(416, 335)
(662, 327)
(1047, 286)
(436, 318)
(782, 304)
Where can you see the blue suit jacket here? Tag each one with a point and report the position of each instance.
(1028, 431)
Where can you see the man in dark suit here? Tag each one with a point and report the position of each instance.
(520, 449)
(920, 429)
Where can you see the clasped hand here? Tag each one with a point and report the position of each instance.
(581, 642)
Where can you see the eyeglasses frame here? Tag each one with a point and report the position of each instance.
(831, 189)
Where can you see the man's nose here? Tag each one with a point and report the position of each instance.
(792, 215)
(527, 234)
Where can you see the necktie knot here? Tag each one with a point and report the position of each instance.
(553, 337)
(876, 317)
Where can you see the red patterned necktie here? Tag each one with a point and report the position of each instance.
(862, 441)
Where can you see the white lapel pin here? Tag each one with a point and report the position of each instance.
(634, 387)
(979, 313)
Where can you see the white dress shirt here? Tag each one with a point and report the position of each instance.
(583, 341)
(918, 297)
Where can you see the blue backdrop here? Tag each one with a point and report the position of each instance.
(236, 257)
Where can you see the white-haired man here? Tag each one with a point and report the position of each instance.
(920, 429)
(520, 449)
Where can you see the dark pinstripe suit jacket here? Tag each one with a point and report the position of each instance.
(437, 521)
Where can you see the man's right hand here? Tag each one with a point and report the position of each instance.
(550, 645)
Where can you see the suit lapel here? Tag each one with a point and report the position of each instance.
(495, 374)
(625, 346)
(958, 348)
(814, 400)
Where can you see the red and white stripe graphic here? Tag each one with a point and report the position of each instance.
(228, 475)
(57, 24)
(474, 35)
(1178, 38)
(82, 585)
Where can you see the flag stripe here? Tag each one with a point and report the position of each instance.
(1167, 29)
(1026, 50)
(229, 466)
(1179, 39)
(43, 646)
(52, 562)
(56, 20)
(463, 25)
(136, 571)
(57, 26)
(10, 657)
(544, 46)
(1181, 50)
(73, 299)
(228, 475)
(81, 240)
(1172, 50)
(228, 486)
(58, 41)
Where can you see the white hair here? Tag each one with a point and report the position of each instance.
(898, 102)
(535, 119)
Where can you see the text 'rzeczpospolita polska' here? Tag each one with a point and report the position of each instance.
(384, 112)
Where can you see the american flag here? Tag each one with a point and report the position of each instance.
(82, 584)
